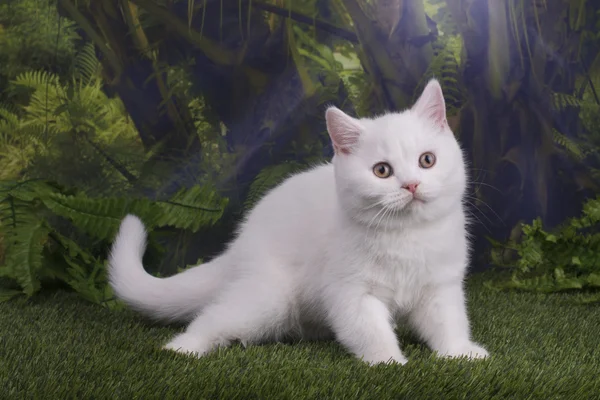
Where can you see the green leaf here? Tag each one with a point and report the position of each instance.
(24, 259)
(30, 255)
(191, 209)
(593, 280)
(72, 248)
(566, 259)
(98, 217)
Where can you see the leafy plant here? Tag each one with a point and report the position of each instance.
(445, 67)
(64, 118)
(40, 247)
(33, 36)
(568, 258)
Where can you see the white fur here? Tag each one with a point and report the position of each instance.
(332, 252)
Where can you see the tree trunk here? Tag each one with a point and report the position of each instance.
(507, 123)
(132, 73)
(395, 48)
(258, 88)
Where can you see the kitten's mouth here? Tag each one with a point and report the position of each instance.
(408, 203)
(416, 199)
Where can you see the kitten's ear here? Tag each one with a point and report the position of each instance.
(431, 104)
(344, 130)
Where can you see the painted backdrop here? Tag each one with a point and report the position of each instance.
(185, 112)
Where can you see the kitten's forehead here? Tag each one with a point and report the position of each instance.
(403, 132)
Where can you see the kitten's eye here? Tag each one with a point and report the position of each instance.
(382, 170)
(427, 160)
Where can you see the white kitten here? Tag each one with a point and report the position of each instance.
(342, 250)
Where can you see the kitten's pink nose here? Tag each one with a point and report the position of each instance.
(411, 187)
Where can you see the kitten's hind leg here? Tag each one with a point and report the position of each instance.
(249, 310)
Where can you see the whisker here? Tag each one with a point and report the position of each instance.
(486, 184)
(376, 215)
(481, 222)
(485, 204)
(476, 191)
(472, 201)
(380, 218)
(378, 203)
(482, 213)
(479, 175)
(383, 217)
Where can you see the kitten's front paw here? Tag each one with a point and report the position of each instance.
(186, 344)
(470, 350)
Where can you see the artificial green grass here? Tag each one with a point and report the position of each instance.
(58, 346)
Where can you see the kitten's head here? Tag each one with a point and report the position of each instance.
(399, 166)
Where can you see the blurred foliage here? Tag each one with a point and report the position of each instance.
(51, 233)
(63, 117)
(144, 98)
(564, 259)
(33, 37)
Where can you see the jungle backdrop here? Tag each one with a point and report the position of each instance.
(185, 111)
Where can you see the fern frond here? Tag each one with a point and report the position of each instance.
(34, 250)
(44, 101)
(564, 100)
(568, 144)
(36, 132)
(85, 273)
(192, 208)
(86, 64)
(13, 159)
(97, 217)
(13, 212)
(36, 79)
(9, 126)
(88, 280)
(188, 209)
(445, 68)
(24, 245)
(566, 259)
(8, 117)
(27, 190)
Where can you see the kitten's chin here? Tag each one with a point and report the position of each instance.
(406, 212)
(417, 210)
(416, 200)
(434, 209)
(380, 218)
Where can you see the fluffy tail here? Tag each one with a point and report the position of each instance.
(176, 298)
